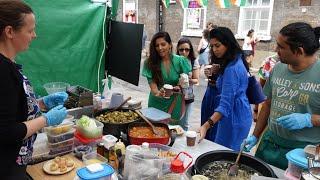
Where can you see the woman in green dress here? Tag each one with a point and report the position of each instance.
(164, 67)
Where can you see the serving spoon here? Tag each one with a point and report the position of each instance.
(233, 170)
(154, 129)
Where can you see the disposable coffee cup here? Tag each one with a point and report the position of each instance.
(168, 90)
(208, 68)
(191, 138)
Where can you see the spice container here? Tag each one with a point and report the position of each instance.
(120, 145)
(100, 149)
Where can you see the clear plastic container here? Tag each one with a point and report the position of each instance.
(80, 140)
(156, 115)
(61, 150)
(54, 87)
(61, 144)
(61, 137)
(163, 151)
(95, 133)
(60, 129)
(92, 158)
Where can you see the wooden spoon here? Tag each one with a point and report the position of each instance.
(233, 170)
(154, 129)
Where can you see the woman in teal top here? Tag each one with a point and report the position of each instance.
(163, 67)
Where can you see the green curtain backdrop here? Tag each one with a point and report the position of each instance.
(68, 44)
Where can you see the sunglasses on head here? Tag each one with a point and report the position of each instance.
(184, 49)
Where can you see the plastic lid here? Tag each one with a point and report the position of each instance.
(298, 158)
(155, 114)
(177, 166)
(145, 145)
(85, 140)
(84, 173)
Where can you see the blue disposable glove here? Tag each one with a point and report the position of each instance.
(249, 143)
(295, 121)
(56, 115)
(55, 99)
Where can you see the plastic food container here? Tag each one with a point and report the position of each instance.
(163, 151)
(60, 144)
(105, 174)
(96, 133)
(80, 140)
(60, 129)
(61, 137)
(61, 150)
(156, 115)
(297, 162)
(92, 158)
(54, 87)
(82, 150)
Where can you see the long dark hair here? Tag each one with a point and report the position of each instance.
(154, 59)
(184, 40)
(226, 37)
(12, 13)
(301, 34)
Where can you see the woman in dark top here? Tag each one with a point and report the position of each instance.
(20, 116)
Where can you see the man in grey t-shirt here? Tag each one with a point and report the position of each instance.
(291, 113)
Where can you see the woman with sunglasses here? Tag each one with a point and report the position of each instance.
(164, 67)
(233, 111)
(185, 48)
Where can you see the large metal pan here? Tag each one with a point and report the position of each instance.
(225, 155)
(115, 129)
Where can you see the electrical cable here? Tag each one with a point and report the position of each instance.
(104, 45)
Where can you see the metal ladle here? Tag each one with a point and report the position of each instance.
(315, 171)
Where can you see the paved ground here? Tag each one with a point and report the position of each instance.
(141, 92)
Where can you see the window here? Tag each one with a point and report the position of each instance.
(194, 19)
(257, 15)
(130, 11)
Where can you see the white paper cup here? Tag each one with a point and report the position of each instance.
(191, 138)
(168, 90)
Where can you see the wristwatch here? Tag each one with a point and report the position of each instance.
(210, 121)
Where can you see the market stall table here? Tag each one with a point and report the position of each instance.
(36, 171)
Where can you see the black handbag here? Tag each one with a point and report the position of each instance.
(254, 91)
(203, 49)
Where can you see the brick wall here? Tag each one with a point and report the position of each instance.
(284, 12)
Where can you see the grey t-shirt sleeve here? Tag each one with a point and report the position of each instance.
(196, 64)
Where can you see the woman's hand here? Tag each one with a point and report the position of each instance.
(160, 93)
(203, 131)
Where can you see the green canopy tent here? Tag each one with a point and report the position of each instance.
(69, 44)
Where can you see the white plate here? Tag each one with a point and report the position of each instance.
(46, 168)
